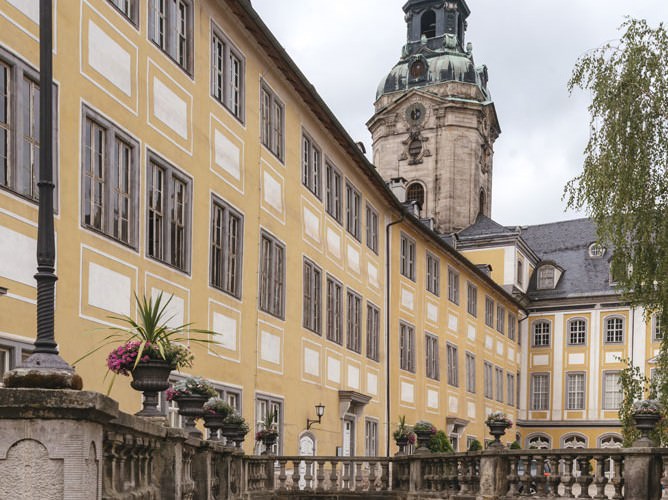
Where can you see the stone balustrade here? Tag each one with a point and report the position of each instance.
(77, 445)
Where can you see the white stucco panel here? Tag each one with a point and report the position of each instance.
(453, 404)
(353, 259)
(499, 348)
(109, 290)
(273, 193)
(432, 399)
(407, 392)
(407, 299)
(489, 342)
(372, 384)
(333, 370)
(29, 7)
(175, 309)
(576, 358)
(613, 357)
(372, 270)
(109, 59)
(334, 243)
(228, 155)
(270, 347)
(353, 377)
(311, 362)
(225, 329)
(18, 257)
(432, 312)
(169, 108)
(541, 360)
(471, 332)
(511, 354)
(470, 409)
(453, 322)
(311, 225)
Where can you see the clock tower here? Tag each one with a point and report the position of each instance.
(434, 122)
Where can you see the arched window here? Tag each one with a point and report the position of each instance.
(428, 24)
(539, 442)
(482, 202)
(574, 441)
(577, 331)
(610, 441)
(614, 330)
(415, 192)
(541, 333)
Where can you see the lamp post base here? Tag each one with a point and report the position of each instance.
(44, 371)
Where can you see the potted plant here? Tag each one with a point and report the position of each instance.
(149, 349)
(424, 431)
(234, 429)
(646, 414)
(215, 412)
(498, 422)
(268, 431)
(475, 445)
(403, 436)
(440, 443)
(190, 394)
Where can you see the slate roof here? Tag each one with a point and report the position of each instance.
(484, 226)
(567, 244)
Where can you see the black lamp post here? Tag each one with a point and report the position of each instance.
(319, 411)
(45, 369)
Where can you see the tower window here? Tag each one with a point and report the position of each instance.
(483, 202)
(428, 24)
(415, 192)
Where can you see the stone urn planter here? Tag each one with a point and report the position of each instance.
(497, 423)
(424, 431)
(646, 415)
(151, 377)
(402, 442)
(214, 423)
(268, 439)
(234, 431)
(191, 407)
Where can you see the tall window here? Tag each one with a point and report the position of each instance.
(612, 391)
(272, 275)
(407, 347)
(370, 437)
(353, 211)
(657, 331)
(489, 312)
(170, 28)
(407, 264)
(499, 384)
(110, 177)
(129, 8)
(512, 326)
(540, 391)
(334, 310)
(575, 391)
(431, 355)
(453, 286)
(614, 330)
(577, 332)
(272, 122)
(333, 193)
(472, 299)
(19, 126)
(433, 274)
(169, 194)
(226, 247)
(488, 382)
(415, 192)
(470, 372)
(541, 333)
(372, 331)
(264, 406)
(311, 165)
(500, 318)
(371, 228)
(227, 74)
(520, 272)
(453, 365)
(354, 323)
(510, 389)
(312, 297)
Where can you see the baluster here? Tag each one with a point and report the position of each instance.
(384, 475)
(617, 478)
(599, 477)
(664, 477)
(308, 475)
(347, 475)
(373, 466)
(358, 476)
(295, 475)
(526, 476)
(334, 476)
(513, 478)
(282, 476)
(465, 476)
(320, 477)
(553, 478)
(585, 478)
(455, 482)
(539, 479)
(567, 477)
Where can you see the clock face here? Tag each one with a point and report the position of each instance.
(418, 69)
(415, 113)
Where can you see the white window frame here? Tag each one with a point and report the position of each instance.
(576, 390)
(540, 391)
(228, 73)
(176, 39)
(614, 333)
(541, 333)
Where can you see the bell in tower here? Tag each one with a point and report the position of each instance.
(435, 122)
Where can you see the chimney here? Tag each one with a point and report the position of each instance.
(398, 187)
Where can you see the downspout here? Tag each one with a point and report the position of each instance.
(633, 328)
(388, 291)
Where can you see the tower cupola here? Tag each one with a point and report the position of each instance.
(436, 23)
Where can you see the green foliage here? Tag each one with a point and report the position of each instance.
(624, 182)
(475, 445)
(515, 445)
(633, 386)
(439, 443)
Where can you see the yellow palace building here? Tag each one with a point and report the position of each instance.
(194, 158)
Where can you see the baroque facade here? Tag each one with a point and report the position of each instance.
(195, 159)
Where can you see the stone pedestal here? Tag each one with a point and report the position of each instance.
(642, 475)
(494, 472)
(51, 443)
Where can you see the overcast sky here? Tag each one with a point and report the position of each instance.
(345, 47)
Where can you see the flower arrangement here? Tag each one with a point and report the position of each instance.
(268, 427)
(235, 419)
(646, 407)
(422, 426)
(404, 431)
(217, 406)
(190, 386)
(124, 359)
(498, 417)
(266, 434)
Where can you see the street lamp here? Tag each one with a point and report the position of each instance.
(319, 411)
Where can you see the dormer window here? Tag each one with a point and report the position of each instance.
(546, 277)
(596, 250)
